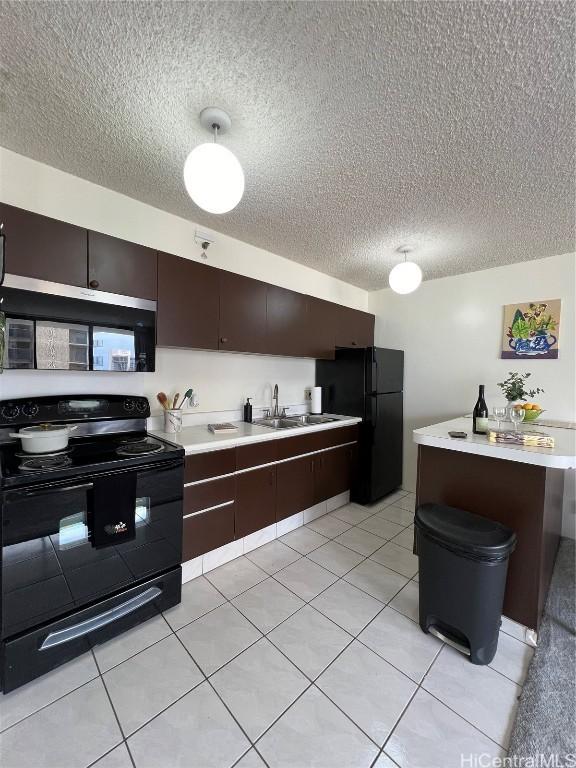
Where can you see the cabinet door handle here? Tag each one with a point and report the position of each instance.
(223, 340)
(93, 283)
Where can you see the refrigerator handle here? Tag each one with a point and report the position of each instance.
(373, 372)
(373, 410)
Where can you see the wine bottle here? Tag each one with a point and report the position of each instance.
(480, 414)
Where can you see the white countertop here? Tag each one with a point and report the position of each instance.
(562, 456)
(200, 440)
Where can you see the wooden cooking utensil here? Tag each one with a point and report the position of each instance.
(176, 396)
(163, 400)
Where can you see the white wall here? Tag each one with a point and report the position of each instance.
(450, 330)
(222, 380)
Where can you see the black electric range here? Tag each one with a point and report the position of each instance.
(91, 536)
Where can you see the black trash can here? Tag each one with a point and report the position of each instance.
(462, 576)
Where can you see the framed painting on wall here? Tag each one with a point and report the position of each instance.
(531, 330)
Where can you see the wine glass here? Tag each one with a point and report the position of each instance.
(516, 416)
(500, 414)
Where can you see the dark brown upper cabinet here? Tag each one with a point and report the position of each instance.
(286, 322)
(320, 324)
(353, 328)
(242, 313)
(118, 266)
(44, 248)
(188, 303)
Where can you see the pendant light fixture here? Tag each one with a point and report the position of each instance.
(213, 177)
(406, 276)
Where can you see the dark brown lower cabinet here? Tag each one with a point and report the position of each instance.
(333, 472)
(294, 486)
(255, 500)
(207, 530)
(208, 516)
(219, 509)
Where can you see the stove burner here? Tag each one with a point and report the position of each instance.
(23, 455)
(139, 448)
(45, 463)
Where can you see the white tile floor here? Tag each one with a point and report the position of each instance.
(305, 652)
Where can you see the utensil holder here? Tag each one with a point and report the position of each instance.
(173, 420)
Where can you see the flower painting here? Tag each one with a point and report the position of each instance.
(531, 330)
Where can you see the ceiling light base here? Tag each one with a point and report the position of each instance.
(211, 116)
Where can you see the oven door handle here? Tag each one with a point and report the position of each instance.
(50, 491)
(96, 622)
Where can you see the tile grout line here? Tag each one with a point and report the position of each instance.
(292, 663)
(173, 631)
(313, 681)
(421, 686)
(124, 737)
(206, 678)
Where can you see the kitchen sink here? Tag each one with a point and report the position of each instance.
(290, 422)
(308, 418)
(277, 423)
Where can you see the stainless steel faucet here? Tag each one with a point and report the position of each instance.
(275, 412)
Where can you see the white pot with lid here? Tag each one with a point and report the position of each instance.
(44, 438)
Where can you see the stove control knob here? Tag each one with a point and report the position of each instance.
(129, 404)
(142, 405)
(10, 411)
(30, 409)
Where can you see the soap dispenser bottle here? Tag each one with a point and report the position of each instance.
(248, 411)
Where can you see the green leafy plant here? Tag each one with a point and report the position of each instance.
(534, 322)
(514, 387)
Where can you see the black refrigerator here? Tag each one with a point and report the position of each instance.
(368, 382)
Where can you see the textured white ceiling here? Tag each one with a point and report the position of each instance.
(448, 126)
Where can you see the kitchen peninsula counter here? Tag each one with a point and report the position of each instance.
(519, 486)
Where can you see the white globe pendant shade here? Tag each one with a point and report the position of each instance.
(214, 178)
(405, 277)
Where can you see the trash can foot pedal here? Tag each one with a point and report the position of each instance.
(458, 646)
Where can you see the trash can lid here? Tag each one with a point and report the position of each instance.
(469, 534)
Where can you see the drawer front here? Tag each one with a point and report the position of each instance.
(256, 454)
(23, 658)
(205, 531)
(339, 436)
(212, 464)
(289, 447)
(209, 494)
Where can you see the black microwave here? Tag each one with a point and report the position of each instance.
(51, 326)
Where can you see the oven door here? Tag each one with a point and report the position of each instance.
(67, 545)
